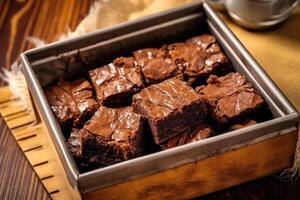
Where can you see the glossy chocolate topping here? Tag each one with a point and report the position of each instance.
(144, 56)
(220, 87)
(200, 132)
(243, 124)
(214, 61)
(159, 100)
(155, 65)
(191, 56)
(204, 41)
(75, 143)
(123, 76)
(199, 57)
(118, 124)
(71, 100)
(230, 95)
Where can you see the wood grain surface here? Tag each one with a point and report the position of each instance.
(47, 19)
(17, 179)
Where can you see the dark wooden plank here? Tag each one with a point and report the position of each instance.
(17, 179)
(45, 19)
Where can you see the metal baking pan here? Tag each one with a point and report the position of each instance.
(69, 58)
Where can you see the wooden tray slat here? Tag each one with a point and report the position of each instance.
(5, 94)
(20, 122)
(34, 140)
(12, 110)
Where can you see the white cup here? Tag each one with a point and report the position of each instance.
(257, 14)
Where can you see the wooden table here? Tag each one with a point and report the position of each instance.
(17, 179)
(47, 19)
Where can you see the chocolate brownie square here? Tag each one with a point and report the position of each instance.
(72, 103)
(230, 98)
(199, 57)
(116, 82)
(207, 42)
(155, 64)
(243, 124)
(112, 135)
(75, 144)
(200, 132)
(170, 107)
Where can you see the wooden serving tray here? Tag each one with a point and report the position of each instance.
(216, 173)
(37, 147)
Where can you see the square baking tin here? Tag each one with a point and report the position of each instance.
(71, 57)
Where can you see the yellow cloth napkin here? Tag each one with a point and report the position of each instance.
(278, 52)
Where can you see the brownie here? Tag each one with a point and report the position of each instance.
(231, 98)
(170, 107)
(116, 82)
(200, 132)
(74, 143)
(155, 64)
(112, 135)
(207, 42)
(71, 102)
(243, 124)
(199, 57)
